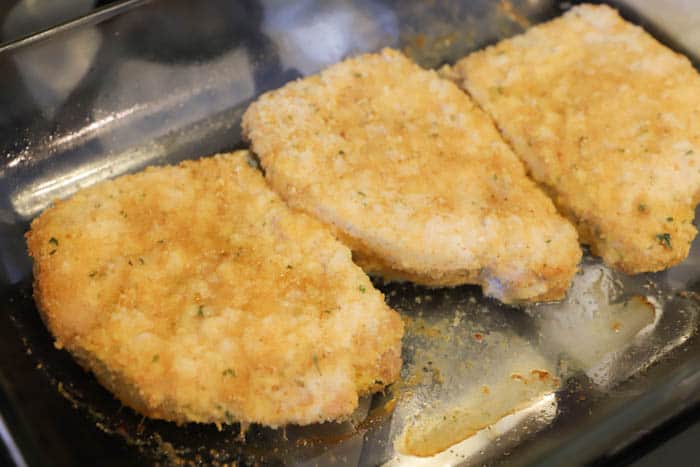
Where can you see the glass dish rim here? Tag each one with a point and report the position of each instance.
(679, 393)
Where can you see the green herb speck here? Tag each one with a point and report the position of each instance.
(200, 311)
(229, 372)
(642, 207)
(664, 239)
(362, 289)
(53, 241)
(155, 358)
(669, 219)
(361, 193)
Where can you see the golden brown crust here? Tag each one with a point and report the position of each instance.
(608, 121)
(194, 294)
(414, 178)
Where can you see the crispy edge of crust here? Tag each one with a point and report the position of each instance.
(125, 390)
(388, 369)
(631, 262)
(373, 265)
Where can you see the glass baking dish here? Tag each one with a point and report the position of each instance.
(155, 82)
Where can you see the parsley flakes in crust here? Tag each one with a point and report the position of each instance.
(194, 294)
(413, 177)
(608, 121)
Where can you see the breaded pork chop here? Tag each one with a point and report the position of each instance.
(413, 177)
(194, 294)
(608, 121)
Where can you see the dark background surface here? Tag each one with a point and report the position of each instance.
(20, 18)
(676, 443)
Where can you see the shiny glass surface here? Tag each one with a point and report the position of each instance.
(156, 82)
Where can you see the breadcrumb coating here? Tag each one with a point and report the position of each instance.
(413, 177)
(194, 294)
(608, 121)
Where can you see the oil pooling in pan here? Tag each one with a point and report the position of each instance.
(479, 374)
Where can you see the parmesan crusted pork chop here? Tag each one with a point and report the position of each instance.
(413, 177)
(194, 294)
(608, 121)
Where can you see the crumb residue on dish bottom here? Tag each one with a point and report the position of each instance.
(437, 430)
(467, 368)
(462, 378)
(507, 8)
